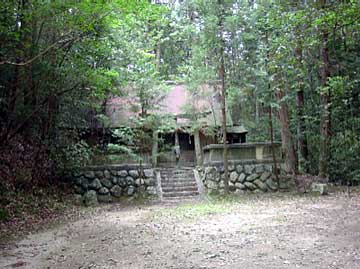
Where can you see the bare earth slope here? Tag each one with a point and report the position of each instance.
(266, 232)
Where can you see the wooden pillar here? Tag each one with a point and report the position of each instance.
(177, 143)
(198, 151)
(155, 146)
(177, 148)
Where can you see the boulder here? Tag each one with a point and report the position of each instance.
(264, 176)
(252, 177)
(261, 185)
(130, 191)
(259, 168)
(248, 168)
(250, 186)
(210, 170)
(90, 198)
(272, 185)
(240, 186)
(122, 173)
(106, 182)
(107, 174)
(151, 190)
(267, 167)
(103, 191)
(239, 168)
(114, 180)
(116, 191)
(134, 173)
(150, 181)
(231, 167)
(139, 182)
(95, 184)
(122, 182)
(241, 178)
(320, 188)
(141, 189)
(89, 174)
(129, 180)
(148, 173)
(233, 176)
(85, 183)
(212, 185)
(239, 191)
(212, 174)
(99, 174)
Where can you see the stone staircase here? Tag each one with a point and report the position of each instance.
(178, 184)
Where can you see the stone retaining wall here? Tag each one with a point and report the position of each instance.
(104, 183)
(250, 176)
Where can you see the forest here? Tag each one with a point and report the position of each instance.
(289, 71)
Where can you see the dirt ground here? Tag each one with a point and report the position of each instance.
(271, 231)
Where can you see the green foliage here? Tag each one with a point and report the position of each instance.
(119, 153)
(345, 161)
(73, 156)
(61, 60)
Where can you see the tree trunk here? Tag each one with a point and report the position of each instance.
(301, 130)
(325, 99)
(257, 110)
(286, 137)
(198, 151)
(276, 171)
(223, 97)
(155, 146)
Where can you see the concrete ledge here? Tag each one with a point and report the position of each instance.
(250, 161)
(260, 151)
(240, 145)
(115, 167)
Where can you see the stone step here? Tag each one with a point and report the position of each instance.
(190, 178)
(178, 177)
(178, 181)
(181, 199)
(179, 188)
(178, 184)
(180, 193)
(183, 176)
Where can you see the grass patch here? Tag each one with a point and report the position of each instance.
(190, 212)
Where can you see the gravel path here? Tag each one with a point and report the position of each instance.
(267, 232)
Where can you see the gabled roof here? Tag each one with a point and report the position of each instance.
(202, 104)
(238, 129)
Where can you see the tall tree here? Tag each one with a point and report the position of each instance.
(325, 96)
(223, 93)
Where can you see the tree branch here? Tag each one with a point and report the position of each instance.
(40, 54)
